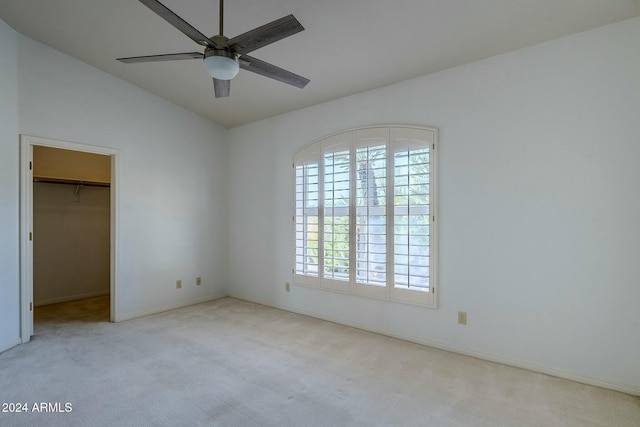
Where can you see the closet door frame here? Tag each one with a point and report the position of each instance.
(27, 143)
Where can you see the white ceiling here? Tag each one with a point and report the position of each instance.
(347, 47)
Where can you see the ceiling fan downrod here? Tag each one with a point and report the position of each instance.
(221, 16)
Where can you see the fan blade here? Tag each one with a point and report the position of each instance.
(264, 35)
(156, 58)
(221, 87)
(268, 70)
(177, 22)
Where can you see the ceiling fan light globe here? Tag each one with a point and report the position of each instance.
(221, 67)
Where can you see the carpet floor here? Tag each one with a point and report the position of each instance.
(233, 363)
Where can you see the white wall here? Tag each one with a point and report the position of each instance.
(9, 181)
(57, 164)
(171, 182)
(539, 235)
(71, 249)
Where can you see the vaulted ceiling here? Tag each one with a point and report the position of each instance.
(347, 47)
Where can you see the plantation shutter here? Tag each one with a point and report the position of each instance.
(370, 178)
(364, 217)
(307, 197)
(336, 200)
(412, 218)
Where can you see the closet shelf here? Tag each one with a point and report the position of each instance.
(50, 180)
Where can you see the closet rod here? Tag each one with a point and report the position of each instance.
(72, 182)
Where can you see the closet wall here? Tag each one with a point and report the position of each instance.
(71, 247)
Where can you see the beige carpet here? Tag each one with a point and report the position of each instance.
(233, 363)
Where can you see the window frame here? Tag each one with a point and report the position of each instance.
(352, 140)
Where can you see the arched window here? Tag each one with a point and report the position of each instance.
(365, 213)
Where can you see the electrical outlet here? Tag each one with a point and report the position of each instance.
(287, 287)
(178, 284)
(198, 281)
(462, 317)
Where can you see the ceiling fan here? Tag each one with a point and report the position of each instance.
(223, 57)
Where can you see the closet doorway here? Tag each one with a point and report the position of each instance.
(68, 232)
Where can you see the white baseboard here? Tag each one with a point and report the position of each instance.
(139, 314)
(624, 388)
(69, 298)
